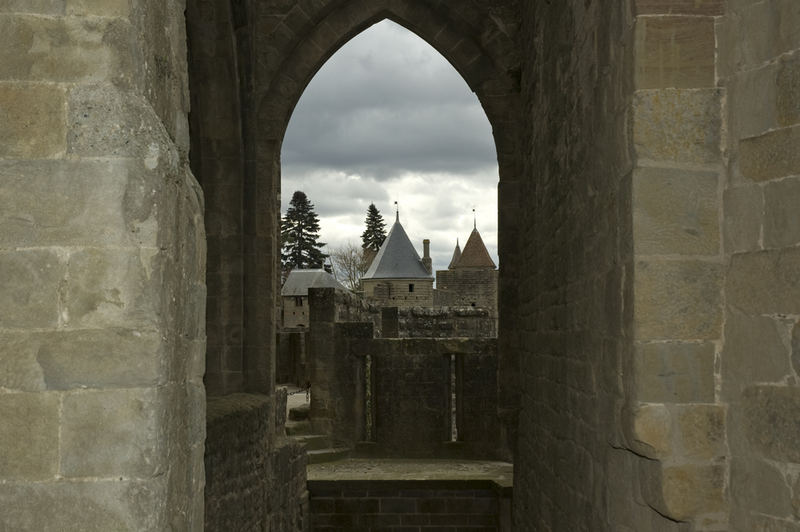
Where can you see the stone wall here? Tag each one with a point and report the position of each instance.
(438, 322)
(759, 70)
(399, 293)
(568, 315)
(409, 506)
(102, 254)
(254, 480)
(466, 287)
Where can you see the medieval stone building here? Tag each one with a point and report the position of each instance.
(647, 366)
(294, 295)
(397, 276)
(470, 280)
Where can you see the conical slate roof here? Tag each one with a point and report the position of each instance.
(456, 256)
(397, 258)
(475, 254)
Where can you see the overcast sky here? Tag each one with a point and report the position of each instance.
(388, 119)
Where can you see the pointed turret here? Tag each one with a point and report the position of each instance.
(475, 254)
(456, 256)
(397, 258)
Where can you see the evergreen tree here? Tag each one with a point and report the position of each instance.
(375, 234)
(299, 235)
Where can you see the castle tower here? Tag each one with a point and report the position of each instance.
(456, 256)
(397, 276)
(471, 278)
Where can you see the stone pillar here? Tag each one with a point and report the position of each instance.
(102, 256)
(390, 322)
(676, 414)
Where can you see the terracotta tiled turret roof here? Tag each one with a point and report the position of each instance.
(397, 258)
(475, 254)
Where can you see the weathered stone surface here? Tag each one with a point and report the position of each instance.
(771, 155)
(84, 506)
(104, 8)
(680, 7)
(67, 49)
(113, 288)
(701, 430)
(788, 90)
(677, 125)
(759, 487)
(675, 372)
(113, 433)
(652, 431)
(106, 121)
(781, 213)
(743, 208)
(765, 282)
(77, 203)
(796, 347)
(752, 94)
(674, 51)
(771, 421)
(87, 358)
(29, 438)
(54, 7)
(30, 282)
(32, 120)
(753, 352)
(677, 300)
(675, 212)
(691, 489)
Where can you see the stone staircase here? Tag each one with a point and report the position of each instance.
(320, 447)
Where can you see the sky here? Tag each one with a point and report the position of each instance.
(388, 119)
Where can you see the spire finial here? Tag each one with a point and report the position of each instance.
(397, 212)
(474, 219)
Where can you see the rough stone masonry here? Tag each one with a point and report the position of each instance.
(649, 294)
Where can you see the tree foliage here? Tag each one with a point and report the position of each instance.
(375, 233)
(350, 263)
(300, 247)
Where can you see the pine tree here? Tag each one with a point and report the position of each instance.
(299, 235)
(375, 234)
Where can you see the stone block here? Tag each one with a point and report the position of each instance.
(787, 99)
(105, 121)
(743, 208)
(677, 300)
(66, 49)
(751, 101)
(114, 288)
(675, 212)
(753, 352)
(689, 490)
(770, 416)
(700, 430)
(680, 125)
(41, 7)
(796, 347)
(759, 487)
(675, 372)
(29, 439)
(30, 283)
(83, 506)
(86, 358)
(71, 203)
(680, 7)
(765, 282)
(770, 156)
(674, 51)
(652, 431)
(781, 213)
(113, 433)
(32, 120)
(103, 8)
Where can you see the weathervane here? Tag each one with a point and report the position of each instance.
(397, 211)
(474, 219)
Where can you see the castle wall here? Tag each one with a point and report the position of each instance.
(758, 71)
(397, 293)
(466, 287)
